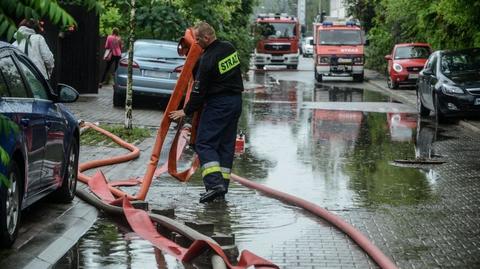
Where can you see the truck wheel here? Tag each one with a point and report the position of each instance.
(10, 206)
(118, 100)
(358, 78)
(259, 66)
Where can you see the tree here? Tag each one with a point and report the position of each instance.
(13, 10)
(131, 40)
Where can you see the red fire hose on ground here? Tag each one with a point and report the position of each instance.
(141, 222)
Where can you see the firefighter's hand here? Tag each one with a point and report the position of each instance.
(177, 114)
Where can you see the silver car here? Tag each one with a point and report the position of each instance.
(156, 68)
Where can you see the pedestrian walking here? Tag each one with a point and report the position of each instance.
(217, 90)
(113, 53)
(34, 45)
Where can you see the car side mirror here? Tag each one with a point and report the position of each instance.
(388, 57)
(66, 94)
(366, 42)
(427, 72)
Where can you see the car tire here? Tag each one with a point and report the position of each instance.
(10, 206)
(424, 112)
(118, 101)
(439, 116)
(259, 66)
(66, 192)
(390, 83)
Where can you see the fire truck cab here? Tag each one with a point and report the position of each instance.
(338, 50)
(279, 41)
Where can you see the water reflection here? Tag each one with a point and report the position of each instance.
(341, 156)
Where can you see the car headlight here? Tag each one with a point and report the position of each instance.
(451, 90)
(397, 67)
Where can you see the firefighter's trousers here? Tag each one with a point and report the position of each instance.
(215, 142)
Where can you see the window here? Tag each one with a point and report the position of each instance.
(340, 37)
(34, 80)
(12, 77)
(412, 52)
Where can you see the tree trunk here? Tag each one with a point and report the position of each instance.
(129, 93)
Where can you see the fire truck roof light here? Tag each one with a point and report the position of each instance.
(327, 23)
(350, 23)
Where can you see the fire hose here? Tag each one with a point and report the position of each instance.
(140, 221)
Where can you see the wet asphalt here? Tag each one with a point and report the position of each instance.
(334, 144)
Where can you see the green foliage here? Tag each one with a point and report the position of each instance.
(445, 24)
(12, 10)
(168, 20)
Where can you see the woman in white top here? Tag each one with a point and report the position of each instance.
(37, 49)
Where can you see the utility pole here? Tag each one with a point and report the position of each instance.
(301, 11)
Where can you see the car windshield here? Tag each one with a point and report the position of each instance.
(309, 41)
(158, 51)
(340, 37)
(459, 62)
(277, 29)
(412, 52)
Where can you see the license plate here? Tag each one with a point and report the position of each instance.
(277, 57)
(344, 60)
(156, 74)
(412, 76)
(477, 101)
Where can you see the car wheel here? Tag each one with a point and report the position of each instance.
(318, 77)
(391, 84)
(66, 192)
(10, 206)
(259, 66)
(421, 108)
(439, 116)
(118, 101)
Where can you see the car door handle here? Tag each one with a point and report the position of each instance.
(25, 122)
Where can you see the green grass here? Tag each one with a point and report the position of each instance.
(135, 135)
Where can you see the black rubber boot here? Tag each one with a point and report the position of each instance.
(212, 194)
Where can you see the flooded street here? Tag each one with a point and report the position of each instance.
(333, 144)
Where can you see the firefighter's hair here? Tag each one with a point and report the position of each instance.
(204, 29)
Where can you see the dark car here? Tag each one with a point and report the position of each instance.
(39, 140)
(449, 84)
(156, 68)
(405, 63)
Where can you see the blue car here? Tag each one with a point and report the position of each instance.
(39, 140)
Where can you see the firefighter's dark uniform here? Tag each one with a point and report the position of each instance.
(218, 87)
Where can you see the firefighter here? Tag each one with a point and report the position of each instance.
(217, 90)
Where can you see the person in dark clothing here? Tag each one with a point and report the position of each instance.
(218, 90)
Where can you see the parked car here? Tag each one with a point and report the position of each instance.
(405, 63)
(449, 84)
(39, 140)
(156, 68)
(307, 50)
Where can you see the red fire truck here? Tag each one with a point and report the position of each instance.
(278, 44)
(338, 50)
